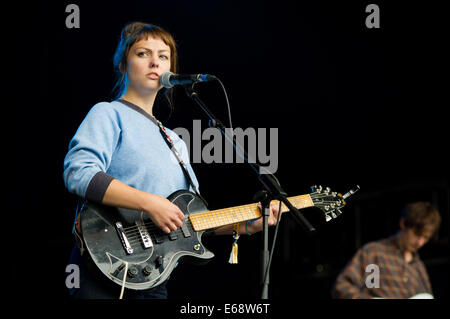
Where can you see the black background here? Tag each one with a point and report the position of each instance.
(352, 106)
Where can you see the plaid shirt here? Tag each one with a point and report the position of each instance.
(397, 278)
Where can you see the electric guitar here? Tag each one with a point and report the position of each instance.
(133, 252)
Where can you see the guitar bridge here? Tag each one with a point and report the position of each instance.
(145, 237)
(123, 238)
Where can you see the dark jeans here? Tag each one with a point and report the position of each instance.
(95, 285)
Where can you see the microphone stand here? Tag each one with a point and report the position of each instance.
(272, 191)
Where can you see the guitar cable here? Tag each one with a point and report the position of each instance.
(124, 279)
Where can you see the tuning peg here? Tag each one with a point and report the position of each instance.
(316, 189)
(338, 212)
(327, 190)
(327, 217)
(333, 214)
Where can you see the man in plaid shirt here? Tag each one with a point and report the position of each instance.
(391, 267)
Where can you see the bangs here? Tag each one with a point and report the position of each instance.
(155, 34)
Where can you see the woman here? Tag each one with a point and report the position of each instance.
(118, 156)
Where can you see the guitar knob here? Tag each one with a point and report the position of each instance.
(132, 272)
(147, 270)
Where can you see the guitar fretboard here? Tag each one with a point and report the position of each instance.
(231, 215)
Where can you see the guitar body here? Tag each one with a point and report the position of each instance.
(118, 239)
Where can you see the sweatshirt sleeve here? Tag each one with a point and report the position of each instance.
(90, 153)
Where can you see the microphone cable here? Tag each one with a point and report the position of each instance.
(226, 99)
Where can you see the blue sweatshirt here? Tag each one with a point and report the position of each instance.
(119, 140)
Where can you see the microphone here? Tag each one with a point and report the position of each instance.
(169, 79)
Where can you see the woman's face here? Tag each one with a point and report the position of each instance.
(147, 60)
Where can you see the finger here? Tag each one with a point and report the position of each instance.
(173, 227)
(272, 221)
(165, 229)
(178, 222)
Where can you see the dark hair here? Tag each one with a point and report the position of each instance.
(421, 216)
(130, 34)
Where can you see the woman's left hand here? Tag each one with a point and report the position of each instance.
(257, 225)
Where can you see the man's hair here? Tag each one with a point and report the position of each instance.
(421, 216)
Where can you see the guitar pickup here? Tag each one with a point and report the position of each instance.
(172, 235)
(185, 230)
(123, 238)
(145, 237)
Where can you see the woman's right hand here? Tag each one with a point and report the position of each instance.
(162, 211)
(165, 214)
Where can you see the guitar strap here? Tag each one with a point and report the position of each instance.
(169, 142)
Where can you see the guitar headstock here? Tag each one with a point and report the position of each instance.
(329, 202)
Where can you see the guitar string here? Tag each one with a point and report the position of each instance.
(233, 211)
(149, 225)
(237, 210)
(152, 227)
(138, 239)
(153, 230)
(134, 236)
(133, 231)
(219, 217)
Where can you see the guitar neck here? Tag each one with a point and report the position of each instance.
(231, 215)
